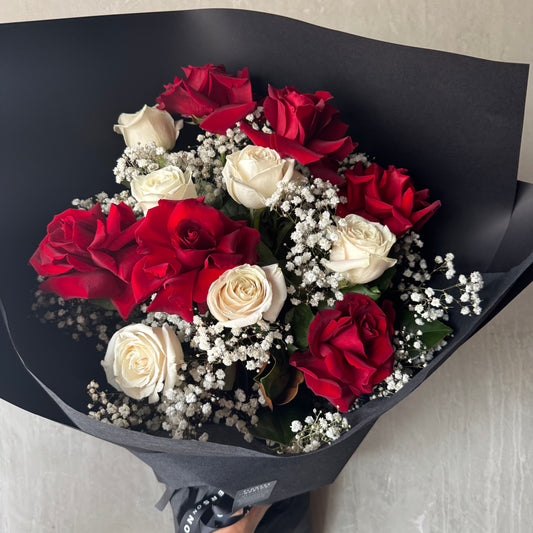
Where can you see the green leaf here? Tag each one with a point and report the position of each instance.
(324, 305)
(385, 280)
(255, 218)
(284, 227)
(300, 318)
(234, 210)
(276, 425)
(231, 375)
(279, 381)
(273, 379)
(432, 332)
(291, 349)
(266, 257)
(372, 292)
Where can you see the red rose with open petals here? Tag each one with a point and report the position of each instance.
(88, 255)
(211, 94)
(305, 126)
(350, 350)
(386, 196)
(186, 246)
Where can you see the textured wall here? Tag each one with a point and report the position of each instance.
(455, 456)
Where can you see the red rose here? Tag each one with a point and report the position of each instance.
(350, 350)
(306, 128)
(186, 246)
(89, 255)
(220, 99)
(386, 196)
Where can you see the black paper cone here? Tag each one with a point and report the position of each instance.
(442, 116)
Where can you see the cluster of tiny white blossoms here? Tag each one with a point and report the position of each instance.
(214, 344)
(251, 344)
(120, 410)
(240, 411)
(212, 151)
(394, 382)
(185, 409)
(308, 204)
(106, 201)
(433, 303)
(141, 160)
(80, 318)
(314, 431)
(182, 411)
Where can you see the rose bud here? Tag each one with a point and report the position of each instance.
(252, 174)
(149, 125)
(167, 183)
(361, 250)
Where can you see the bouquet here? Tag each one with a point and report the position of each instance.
(270, 278)
(311, 277)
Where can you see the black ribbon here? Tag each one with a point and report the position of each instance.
(211, 513)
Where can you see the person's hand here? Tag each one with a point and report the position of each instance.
(249, 522)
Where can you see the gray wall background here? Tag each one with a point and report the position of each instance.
(454, 457)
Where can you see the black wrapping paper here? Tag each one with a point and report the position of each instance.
(442, 116)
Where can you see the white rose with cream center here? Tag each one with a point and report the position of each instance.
(246, 294)
(142, 361)
(252, 175)
(149, 125)
(167, 183)
(361, 249)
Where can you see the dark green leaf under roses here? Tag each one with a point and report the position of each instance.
(432, 332)
(276, 425)
(283, 227)
(279, 381)
(266, 257)
(233, 210)
(300, 318)
(372, 292)
(274, 230)
(230, 377)
(385, 280)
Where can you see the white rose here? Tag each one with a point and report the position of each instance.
(149, 125)
(252, 174)
(142, 361)
(167, 183)
(361, 249)
(243, 295)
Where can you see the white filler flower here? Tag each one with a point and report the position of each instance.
(252, 175)
(360, 252)
(141, 361)
(149, 125)
(246, 294)
(167, 183)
